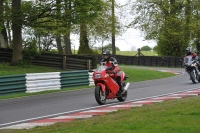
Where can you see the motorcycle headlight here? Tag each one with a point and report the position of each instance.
(97, 76)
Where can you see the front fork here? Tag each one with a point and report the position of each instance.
(196, 73)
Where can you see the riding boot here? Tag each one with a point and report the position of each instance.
(121, 87)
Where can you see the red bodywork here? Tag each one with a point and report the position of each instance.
(107, 81)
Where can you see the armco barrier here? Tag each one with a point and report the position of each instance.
(12, 84)
(36, 82)
(42, 81)
(74, 78)
(91, 81)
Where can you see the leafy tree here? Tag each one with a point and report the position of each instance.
(146, 48)
(170, 22)
(88, 14)
(57, 19)
(155, 48)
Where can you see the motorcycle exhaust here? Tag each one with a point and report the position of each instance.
(126, 87)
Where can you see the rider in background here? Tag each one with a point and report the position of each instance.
(108, 60)
(194, 56)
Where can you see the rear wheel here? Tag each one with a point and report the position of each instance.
(122, 97)
(100, 96)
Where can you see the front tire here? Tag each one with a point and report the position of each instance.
(122, 97)
(192, 77)
(100, 96)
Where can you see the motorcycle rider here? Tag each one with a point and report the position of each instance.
(108, 60)
(194, 56)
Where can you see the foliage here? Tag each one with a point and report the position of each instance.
(172, 23)
(155, 48)
(146, 48)
(30, 50)
(100, 29)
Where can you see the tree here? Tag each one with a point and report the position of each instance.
(169, 22)
(146, 48)
(17, 31)
(87, 14)
(155, 49)
(113, 28)
(58, 35)
(84, 42)
(56, 20)
(3, 33)
(68, 25)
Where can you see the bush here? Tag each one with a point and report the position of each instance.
(30, 50)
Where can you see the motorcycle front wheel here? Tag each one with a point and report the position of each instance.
(192, 76)
(100, 96)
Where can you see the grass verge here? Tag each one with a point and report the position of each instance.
(6, 69)
(174, 116)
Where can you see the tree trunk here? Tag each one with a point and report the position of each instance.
(84, 42)
(9, 33)
(67, 40)
(3, 38)
(59, 46)
(3, 34)
(67, 44)
(187, 23)
(113, 28)
(58, 40)
(17, 33)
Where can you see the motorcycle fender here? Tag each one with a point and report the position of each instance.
(103, 87)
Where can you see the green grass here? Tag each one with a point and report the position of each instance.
(136, 74)
(133, 53)
(175, 116)
(6, 69)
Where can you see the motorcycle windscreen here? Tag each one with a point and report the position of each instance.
(188, 60)
(101, 68)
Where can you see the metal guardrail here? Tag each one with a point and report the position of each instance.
(12, 84)
(36, 82)
(74, 78)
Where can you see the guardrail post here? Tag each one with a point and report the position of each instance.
(64, 62)
(88, 64)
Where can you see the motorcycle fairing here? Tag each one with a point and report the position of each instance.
(103, 87)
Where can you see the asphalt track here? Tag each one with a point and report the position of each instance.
(18, 110)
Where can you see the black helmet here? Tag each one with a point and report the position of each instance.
(106, 55)
(188, 50)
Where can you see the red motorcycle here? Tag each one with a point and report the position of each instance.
(106, 86)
